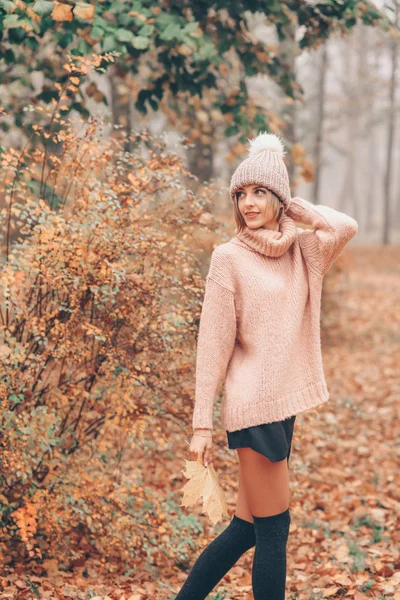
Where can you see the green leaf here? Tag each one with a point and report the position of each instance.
(190, 27)
(153, 103)
(164, 19)
(8, 5)
(97, 33)
(109, 43)
(117, 7)
(83, 47)
(207, 51)
(146, 30)
(43, 7)
(11, 21)
(224, 45)
(16, 22)
(140, 103)
(172, 31)
(66, 39)
(48, 95)
(100, 22)
(9, 56)
(140, 43)
(250, 70)
(32, 44)
(231, 130)
(123, 35)
(260, 120)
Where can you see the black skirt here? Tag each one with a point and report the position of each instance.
(273, 440)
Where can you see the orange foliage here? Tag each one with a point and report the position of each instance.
(100, 293)
(25, 518)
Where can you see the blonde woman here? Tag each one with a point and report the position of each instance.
(260, 331)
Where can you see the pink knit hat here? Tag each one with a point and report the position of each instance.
(264, 166)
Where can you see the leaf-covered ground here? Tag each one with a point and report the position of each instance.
(345, 532)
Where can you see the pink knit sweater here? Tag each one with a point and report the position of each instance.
(260, 319)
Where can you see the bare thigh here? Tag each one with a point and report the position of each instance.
(243, 509)
(263, 485)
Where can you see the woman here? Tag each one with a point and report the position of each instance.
(260, 330)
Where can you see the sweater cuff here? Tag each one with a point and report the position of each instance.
(332, 231)
(307, 213)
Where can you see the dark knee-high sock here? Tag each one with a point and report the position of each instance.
(217, 558)
(269, 562)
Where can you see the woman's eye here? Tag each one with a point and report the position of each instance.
(260, 190)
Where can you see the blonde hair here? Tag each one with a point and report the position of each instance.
(274, 202)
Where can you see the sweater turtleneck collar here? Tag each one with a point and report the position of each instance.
(266, 241)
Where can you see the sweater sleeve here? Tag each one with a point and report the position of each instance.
(216, 340)
(332, 231)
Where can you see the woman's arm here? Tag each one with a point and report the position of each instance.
(332, 231)
(215, 343)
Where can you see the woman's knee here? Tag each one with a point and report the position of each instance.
(266, 483)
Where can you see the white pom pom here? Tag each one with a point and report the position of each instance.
(266, 141)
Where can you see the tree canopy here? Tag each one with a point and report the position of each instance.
(188, 47)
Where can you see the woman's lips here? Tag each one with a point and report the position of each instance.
(252, 215)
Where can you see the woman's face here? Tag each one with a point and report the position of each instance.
(256, 206)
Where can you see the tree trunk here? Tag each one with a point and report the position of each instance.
(121, 105)
(200, 159)
(372, 174)
(391, 132)
(323, 66)
(287, 54)
(347, 194)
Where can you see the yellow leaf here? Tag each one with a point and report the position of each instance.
(62, 12)
(328, 592)
(203, 482)
(342, 579)
(224, 69)
(184, 49)
(51, 566)
(202, 116)
(84, 11)
(298, 152)
(342, 552)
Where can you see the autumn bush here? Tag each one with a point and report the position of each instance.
(101, 290)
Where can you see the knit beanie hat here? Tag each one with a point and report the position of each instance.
(264, 166)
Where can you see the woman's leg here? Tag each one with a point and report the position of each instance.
(222, 553)
(243, 508)
(268, 495)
